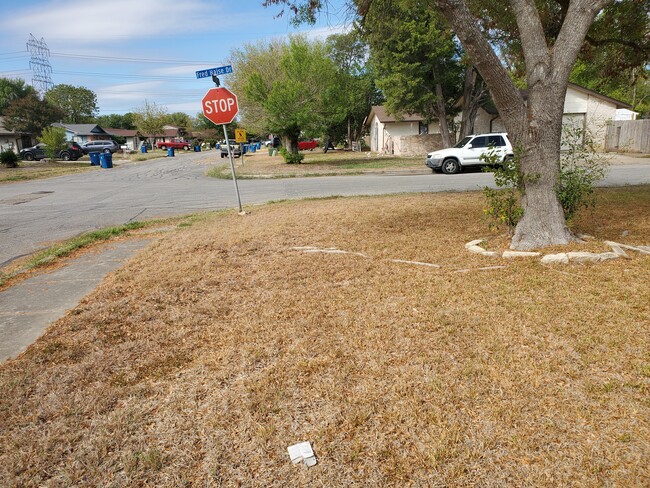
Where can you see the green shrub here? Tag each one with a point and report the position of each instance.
(291, 157)
(8, 159)
(581, 166)
(503, 205)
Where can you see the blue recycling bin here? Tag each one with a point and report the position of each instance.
(253, 148)
(259, 146)
(244, 148)
(106, 160)
(143, 148)
(170, 152)
(197, 148)
(94, 158)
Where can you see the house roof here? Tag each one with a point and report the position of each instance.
(81, 129)
(121, 132)
(383, 116)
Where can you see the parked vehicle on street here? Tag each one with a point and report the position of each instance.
(307, 145)
(235, 148)
(469, 152)
(35, 153)
(174, 143)
(100, 146)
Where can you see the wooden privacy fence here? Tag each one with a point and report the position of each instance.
(628, 136)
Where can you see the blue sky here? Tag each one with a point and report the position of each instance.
(127, 51)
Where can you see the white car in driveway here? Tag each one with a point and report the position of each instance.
(469, 152)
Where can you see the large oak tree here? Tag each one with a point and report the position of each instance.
(548, 54)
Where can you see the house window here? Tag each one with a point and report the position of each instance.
(424, 128)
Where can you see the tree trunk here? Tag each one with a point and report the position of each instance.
(543, 222)
(474, 93)
(441, 112)
(534, 129)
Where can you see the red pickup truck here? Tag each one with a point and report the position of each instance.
(175, 143)
(305, 145)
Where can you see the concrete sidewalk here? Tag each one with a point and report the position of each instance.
(28, 308)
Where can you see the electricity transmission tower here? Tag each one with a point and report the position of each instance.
(40, 64)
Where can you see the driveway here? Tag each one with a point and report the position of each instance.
(36, 213)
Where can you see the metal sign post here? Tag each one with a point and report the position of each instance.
(232, 167)
(220, 107)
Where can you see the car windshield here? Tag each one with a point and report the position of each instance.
(463, 141)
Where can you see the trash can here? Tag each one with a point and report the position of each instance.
(197, 148)
(270, 150)
(253, 148)
(244, 148)
(94, 158)
(143, 148)
(259, 146)
(106, 160)
(170, 152)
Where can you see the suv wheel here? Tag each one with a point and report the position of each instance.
(107, 151)
(450, 166)
(65, 156)
(29, 156)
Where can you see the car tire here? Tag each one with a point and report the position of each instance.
(163, 147)
(107, 151)
(450, 166)
(28, 157)
(65, 156)
(186, 148)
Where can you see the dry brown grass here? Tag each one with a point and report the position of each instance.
(260, 164)
(211, 352)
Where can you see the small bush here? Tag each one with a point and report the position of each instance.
(581, 167)
(291, 157)
(9, 159)
(503, 206)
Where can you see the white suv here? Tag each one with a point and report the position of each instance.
(468, 152)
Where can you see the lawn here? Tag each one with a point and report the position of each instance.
(228, 340)
(316, 163)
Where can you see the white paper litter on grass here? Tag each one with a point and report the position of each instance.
(302, 452)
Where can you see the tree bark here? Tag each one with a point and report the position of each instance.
(441, 112)
(474, 93)
(535, 127)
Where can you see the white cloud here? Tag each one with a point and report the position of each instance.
(96, 22)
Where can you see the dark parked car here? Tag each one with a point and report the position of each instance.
(100, 146)
(37, 152)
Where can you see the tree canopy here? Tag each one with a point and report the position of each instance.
(77, 103)
(30, 114)
(293, 89)
(11, 90)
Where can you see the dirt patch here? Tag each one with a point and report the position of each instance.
(207, 355)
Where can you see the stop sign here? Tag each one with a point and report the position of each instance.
(220, 105)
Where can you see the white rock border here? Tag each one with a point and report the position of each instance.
(618, 251)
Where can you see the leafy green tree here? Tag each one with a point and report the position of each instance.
(116, 121)
(30, 114)
(358, 90)
(11, 90)
(417, 59)
(77, 103)
(179, 119)
(302, 94)
(149, 119)
(551, 35)
(54, 139)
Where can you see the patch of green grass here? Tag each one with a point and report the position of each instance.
(67, 247)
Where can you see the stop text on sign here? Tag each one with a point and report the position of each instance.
(216, 106)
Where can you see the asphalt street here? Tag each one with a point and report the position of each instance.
(36, 213)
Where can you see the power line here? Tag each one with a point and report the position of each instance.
(130, 60)
(117, 75)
